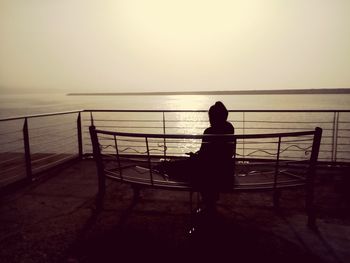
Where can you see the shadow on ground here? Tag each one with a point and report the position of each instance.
(221, 240)
(55, 220)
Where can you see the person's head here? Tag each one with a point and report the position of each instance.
(217, 114)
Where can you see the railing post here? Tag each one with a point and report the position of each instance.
(80, 140)
(100, 167)
(164, 140)
(276, 191)
(91, 119)
(118, 157)
(309, 202)
(27, 150)
(335, 136)
(149, 160)
(243, 123)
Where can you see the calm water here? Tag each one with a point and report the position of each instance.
(24, 104)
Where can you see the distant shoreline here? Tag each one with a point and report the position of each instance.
(228, 92)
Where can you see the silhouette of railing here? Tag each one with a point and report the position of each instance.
(335, 124)
(34, 143)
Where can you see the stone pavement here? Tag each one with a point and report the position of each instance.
(54, 220)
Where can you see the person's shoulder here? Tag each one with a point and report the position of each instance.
(208, 130)
(229, 124)
(229, 127)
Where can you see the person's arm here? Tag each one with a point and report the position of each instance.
(204, 145)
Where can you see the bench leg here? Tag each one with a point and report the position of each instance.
(192, 214)
(197, 201)
(195, 212)
(204, 218)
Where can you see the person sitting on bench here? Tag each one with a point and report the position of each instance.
(216, 167)
(211, 169)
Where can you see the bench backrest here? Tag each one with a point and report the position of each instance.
(131, 157)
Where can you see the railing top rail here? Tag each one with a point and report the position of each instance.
(116, 110)
(154, 111)
(200, 136)
(40, 115)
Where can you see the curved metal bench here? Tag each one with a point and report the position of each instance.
(278, 160)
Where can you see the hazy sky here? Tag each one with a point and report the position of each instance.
(155, 45)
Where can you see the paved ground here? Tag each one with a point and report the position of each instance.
(55, 220)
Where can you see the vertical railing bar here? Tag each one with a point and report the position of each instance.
(91, 119)
(336, 137)
(80, 138)
(243, 134)
(309, 199)
(333, 135)
(164, 142)
(100, 167)
(244, 163)
(149, 161)
(27, 150)
(234, 155)
(275, 190)
(118, 157)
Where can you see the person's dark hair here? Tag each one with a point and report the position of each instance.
(218, 113)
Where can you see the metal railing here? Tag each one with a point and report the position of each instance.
(31, 144)
(335, 124)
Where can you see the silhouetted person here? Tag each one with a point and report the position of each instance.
(215, 162)
(210, 170)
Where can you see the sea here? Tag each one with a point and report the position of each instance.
(12, 105)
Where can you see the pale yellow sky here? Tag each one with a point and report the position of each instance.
(182, 45)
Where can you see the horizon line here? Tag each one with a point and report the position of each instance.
(222, 92)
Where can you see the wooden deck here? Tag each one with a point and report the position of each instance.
(13, 165)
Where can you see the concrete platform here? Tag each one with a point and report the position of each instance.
(54, 220)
